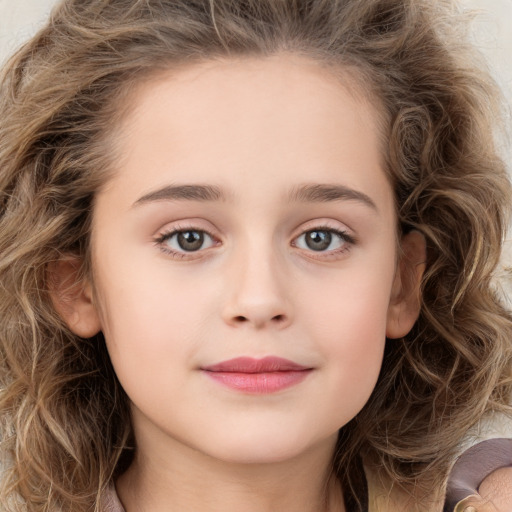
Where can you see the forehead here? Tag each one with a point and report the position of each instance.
(235, 118)
(238, 83)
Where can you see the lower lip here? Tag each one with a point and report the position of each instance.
(259, 383)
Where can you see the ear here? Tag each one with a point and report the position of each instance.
(405, 302)
(72, 296)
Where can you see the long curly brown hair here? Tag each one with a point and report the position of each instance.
(65, 424)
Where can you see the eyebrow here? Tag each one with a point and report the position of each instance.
(184, 192)
(326, 193)
(308, 193)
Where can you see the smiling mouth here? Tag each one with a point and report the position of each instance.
(257, 376)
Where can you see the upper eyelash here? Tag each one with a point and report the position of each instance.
(168, 234)
(342, 234)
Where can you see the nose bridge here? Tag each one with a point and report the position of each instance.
(257, 291)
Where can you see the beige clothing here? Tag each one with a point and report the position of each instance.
(111, 502)
(469, 471)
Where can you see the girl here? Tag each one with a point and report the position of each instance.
(246, 256)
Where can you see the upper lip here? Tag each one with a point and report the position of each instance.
(252, 365)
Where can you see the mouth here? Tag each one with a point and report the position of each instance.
(257, 376)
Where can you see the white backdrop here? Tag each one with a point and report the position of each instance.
(492, 28)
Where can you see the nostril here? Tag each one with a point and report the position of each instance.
(258, 320)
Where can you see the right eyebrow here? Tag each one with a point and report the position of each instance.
(187, 192)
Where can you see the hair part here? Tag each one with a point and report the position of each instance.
(65, 424)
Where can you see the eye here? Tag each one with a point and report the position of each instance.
(324, 239)
(178, 242)
(182, 242)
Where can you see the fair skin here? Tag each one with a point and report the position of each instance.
(259, 271)
(494, 493)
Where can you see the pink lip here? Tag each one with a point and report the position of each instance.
(258, 376)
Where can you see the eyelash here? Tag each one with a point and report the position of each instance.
(348, 241)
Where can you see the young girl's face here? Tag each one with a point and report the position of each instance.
(244, 259)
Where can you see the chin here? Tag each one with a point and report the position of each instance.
(268, 448)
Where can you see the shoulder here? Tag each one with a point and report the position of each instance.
(481, 479)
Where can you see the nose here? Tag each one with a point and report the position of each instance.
(257, 293)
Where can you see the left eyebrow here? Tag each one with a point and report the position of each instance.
(325, 193)
(184, 192)
(308, 193)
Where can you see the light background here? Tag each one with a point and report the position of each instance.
(492, 30)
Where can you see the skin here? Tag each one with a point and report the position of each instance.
(494, 493)
(256, 129)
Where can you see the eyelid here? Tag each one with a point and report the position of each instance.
(327, 225)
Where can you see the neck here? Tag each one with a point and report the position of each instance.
(164, 478)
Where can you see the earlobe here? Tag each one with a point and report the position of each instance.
(405, 301)
(72, 297)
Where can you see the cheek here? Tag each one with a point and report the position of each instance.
(354, 338)
(148, 296)
(353, 306)
(348, 323)
(151, 336)
(147, 321)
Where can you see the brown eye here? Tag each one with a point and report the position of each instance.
(190, 240)
(324, 240)
(185, 240)
(318, 240)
